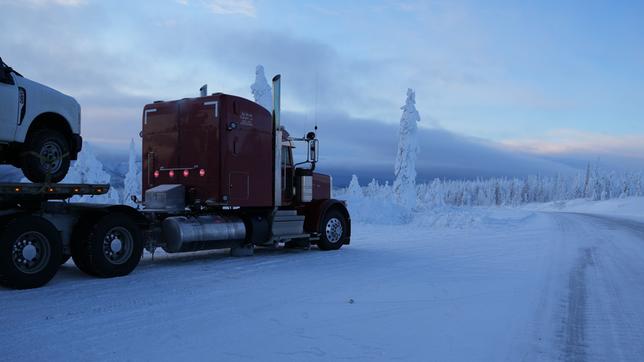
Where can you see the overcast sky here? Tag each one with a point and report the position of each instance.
(545, 79)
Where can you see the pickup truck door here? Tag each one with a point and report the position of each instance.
(8, 106)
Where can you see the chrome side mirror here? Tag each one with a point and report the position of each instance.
(313, 150)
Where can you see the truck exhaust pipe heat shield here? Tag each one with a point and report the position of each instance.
(182, 233)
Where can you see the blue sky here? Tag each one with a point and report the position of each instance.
(549, 78)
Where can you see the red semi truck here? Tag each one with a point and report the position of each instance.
(218, 172)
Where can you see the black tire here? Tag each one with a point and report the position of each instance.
(113, 247)
(45, 156)
(79, 245)
(333, 230)
(30, 252)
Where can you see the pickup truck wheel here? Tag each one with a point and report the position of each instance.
(45, 156)
(113, 247)
(333, 230)
(30, 252)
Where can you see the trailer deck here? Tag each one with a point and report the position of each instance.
(21, 192)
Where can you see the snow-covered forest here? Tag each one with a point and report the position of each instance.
(595, 183)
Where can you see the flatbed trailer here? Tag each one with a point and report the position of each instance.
(38, 192)
(41, 229)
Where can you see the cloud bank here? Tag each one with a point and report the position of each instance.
(337, 67)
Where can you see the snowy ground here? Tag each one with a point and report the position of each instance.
(517, 285)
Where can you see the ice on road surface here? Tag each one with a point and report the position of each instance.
(520, 285)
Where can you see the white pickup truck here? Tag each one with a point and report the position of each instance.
(39, 127)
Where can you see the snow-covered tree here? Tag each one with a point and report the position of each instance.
(405, 167)
(262, 91)
(89, 170)
(373, 188)
(587, 186)
(354, 188)
(435, 195)
(132, 182)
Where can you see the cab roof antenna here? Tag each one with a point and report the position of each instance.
(315, 114)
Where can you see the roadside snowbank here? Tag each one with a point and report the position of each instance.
(630, 207)
(377, 210)
(382, 210)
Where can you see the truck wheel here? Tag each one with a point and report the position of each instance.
(113, 246)
(333, 230)
(45, 156)
(30, 252)
(79, 238)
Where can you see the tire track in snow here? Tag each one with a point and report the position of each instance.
(601, 311)
(575, 321)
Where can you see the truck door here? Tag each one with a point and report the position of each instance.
(8, 105)
(287, 175)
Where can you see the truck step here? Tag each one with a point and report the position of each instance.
(286, 213)
(287, 222)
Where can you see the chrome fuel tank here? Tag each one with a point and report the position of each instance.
(182, 233)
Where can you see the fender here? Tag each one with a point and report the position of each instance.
(99, 210)
(314, 212)
(41, 101)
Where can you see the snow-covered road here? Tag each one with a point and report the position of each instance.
(604, 301)
(521, 286)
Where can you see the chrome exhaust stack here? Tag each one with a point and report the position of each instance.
(277, 131)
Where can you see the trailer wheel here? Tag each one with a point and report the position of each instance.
(30, 252)
(113, 246)
(333, 230)
(46, 156)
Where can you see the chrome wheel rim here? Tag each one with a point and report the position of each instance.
(30, 252)
(117, 245)
(334, 230)
(51, 157)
